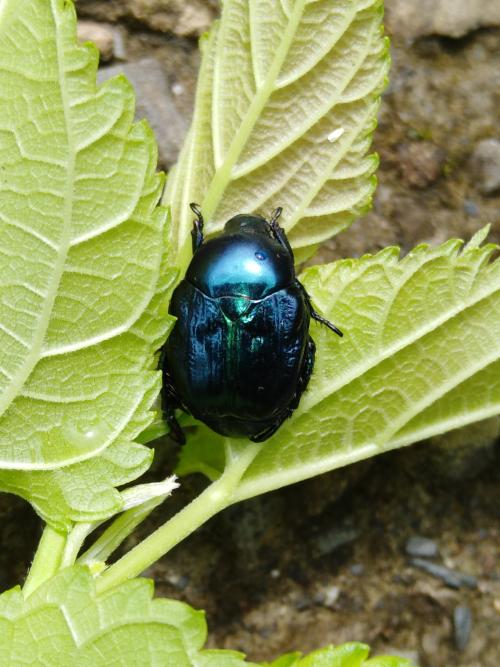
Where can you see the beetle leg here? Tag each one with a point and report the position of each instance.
(278, 232)
(176, 432)
(169, 403)
(316, 316)
(197, 231)
(322, 320)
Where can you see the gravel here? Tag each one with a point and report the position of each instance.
(451, 578)
(421, 547)
(486, 163)
(462, 626)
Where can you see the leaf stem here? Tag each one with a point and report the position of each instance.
(47, 559)
(216, 497)
(74, 542)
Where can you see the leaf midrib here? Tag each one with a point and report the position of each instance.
(33, 356)
(222, 174)
(320, 112)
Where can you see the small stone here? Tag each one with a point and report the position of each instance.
(186, 18)
(451, 578)
(451, 18)
(421, 163)
(178, 89)
(471, 208)
(193, 20)
(462, 626)
(331, 540)
(178, 581)
(120, 46)
(101, 34)
(357, 569)
(331, 595)
(485, 163)
(421, 547)
(182, 583)
(319, 598)
(303, 602)
(154, 102)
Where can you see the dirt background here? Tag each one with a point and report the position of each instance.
(340, 557)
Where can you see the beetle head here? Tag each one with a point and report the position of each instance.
(244, 223)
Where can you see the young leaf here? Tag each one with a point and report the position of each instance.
(420, 356)
(285, 109)
(347, 655)
(83, 281)
(288, 660)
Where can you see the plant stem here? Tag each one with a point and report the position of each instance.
(74, 542)
(47, 559)
(216, 497)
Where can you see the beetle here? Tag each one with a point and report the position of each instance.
(240, 355)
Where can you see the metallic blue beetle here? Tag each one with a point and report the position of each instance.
(240, 354)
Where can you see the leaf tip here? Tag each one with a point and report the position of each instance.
(478, 238)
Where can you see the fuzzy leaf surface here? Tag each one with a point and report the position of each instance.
(420, 356)
(83, 283)
(65, 623)
(286, 105)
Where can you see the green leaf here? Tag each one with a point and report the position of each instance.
(288, 660)
(222, 658)
(347, 655)
(203, 453)
(286, 105)
(84, 283)
(65, 623)
(389, 661)
(420, 356)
